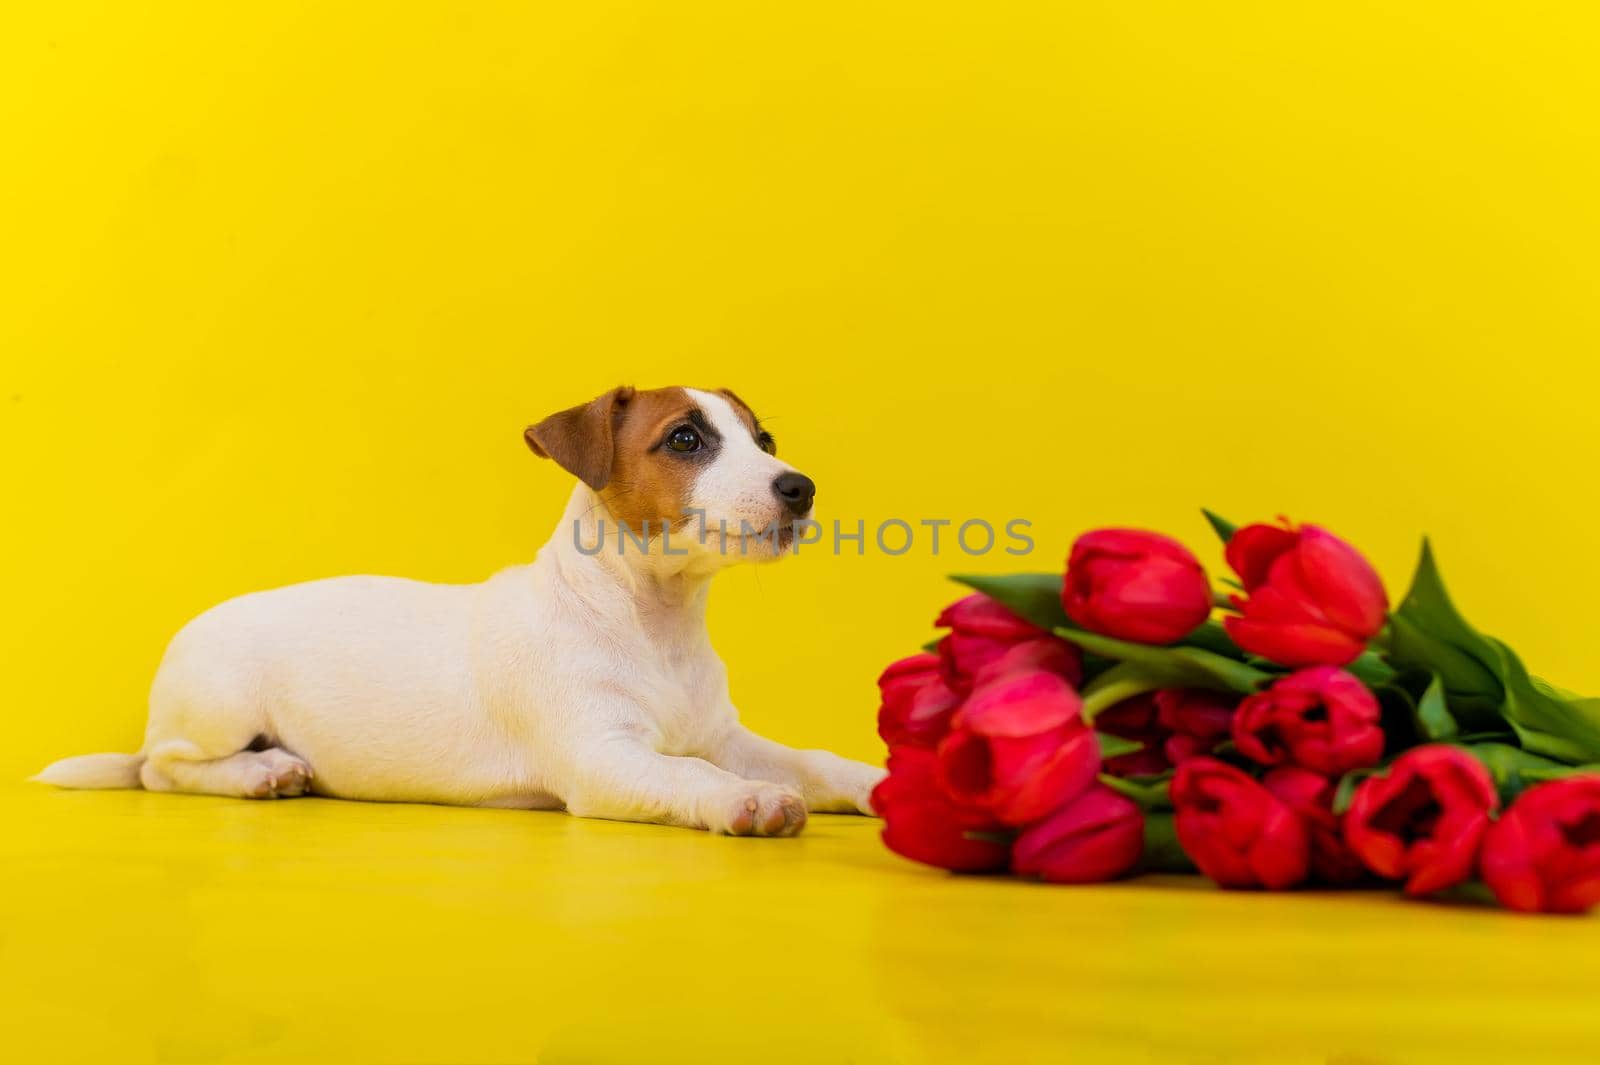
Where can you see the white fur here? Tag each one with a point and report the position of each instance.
(735, 491)
(578, 681)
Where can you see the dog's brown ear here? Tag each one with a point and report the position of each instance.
(582, 439)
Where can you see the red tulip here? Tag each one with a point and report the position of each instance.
(1236, 831)
(1312, 599)
(1310, 796)
(1044, 652)
(1423, 820)
(1543, 855)
(916, 704)
(1135, 585)
(921, 823)
(1096, 836)
(1196, 719)
(1018, 748)
(1135, 719)
(987, 640)
(1321, 718)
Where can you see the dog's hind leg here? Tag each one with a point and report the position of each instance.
(210, 734)
(179, 765)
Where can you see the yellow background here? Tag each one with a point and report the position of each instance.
(285, 281)
(282, 282)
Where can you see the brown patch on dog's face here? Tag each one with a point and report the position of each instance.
(666, 457)
(630, 446)
(652, 476)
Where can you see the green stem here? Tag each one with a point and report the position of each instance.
(1108, 693)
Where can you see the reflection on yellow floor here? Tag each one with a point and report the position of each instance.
(140, 928)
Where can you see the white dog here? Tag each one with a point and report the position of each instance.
(583, 681)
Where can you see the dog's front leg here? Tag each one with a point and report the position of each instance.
(623, 779)
(830, 784)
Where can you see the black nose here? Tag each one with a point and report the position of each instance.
(796, 490)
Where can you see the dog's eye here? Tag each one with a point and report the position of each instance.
(683, 439)
(766, 443)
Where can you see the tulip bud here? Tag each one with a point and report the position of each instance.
(1236, 831)
(1322, 718)
(1310, 796)
(922, 824)
(1135, 585)
(1018, 748)
(916, 705)
(1543, 855)
(1312, 599)
(1096, 836)
(1197, 720)
(987, 640)
(1423, 820)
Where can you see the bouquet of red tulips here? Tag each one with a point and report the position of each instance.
(1085, 726)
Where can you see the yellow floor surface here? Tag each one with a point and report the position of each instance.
(141, 928)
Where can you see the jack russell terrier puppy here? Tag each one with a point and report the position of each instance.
(584, 681)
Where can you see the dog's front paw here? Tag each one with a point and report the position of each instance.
(848, 789)
(760, 810)
(868, 778)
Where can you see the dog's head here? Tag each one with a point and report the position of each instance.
(697, 461)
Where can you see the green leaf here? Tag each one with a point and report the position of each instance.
(932, 645)
(1116, 746)
(1172, 667)
(1094, 667)
(1470, 686)
(1033, 597)
(1539, 775)
(1484, 680)
(1224, 528)
(1432, 716)
(1567, 730)
(1371, 670)
(1466, 739)
(1556, 691)
(1162, 852)
(1211, 636)
(1428, 634)
(1149, 792)
(1468, 893)
(1509, 765)
(1429, 604)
